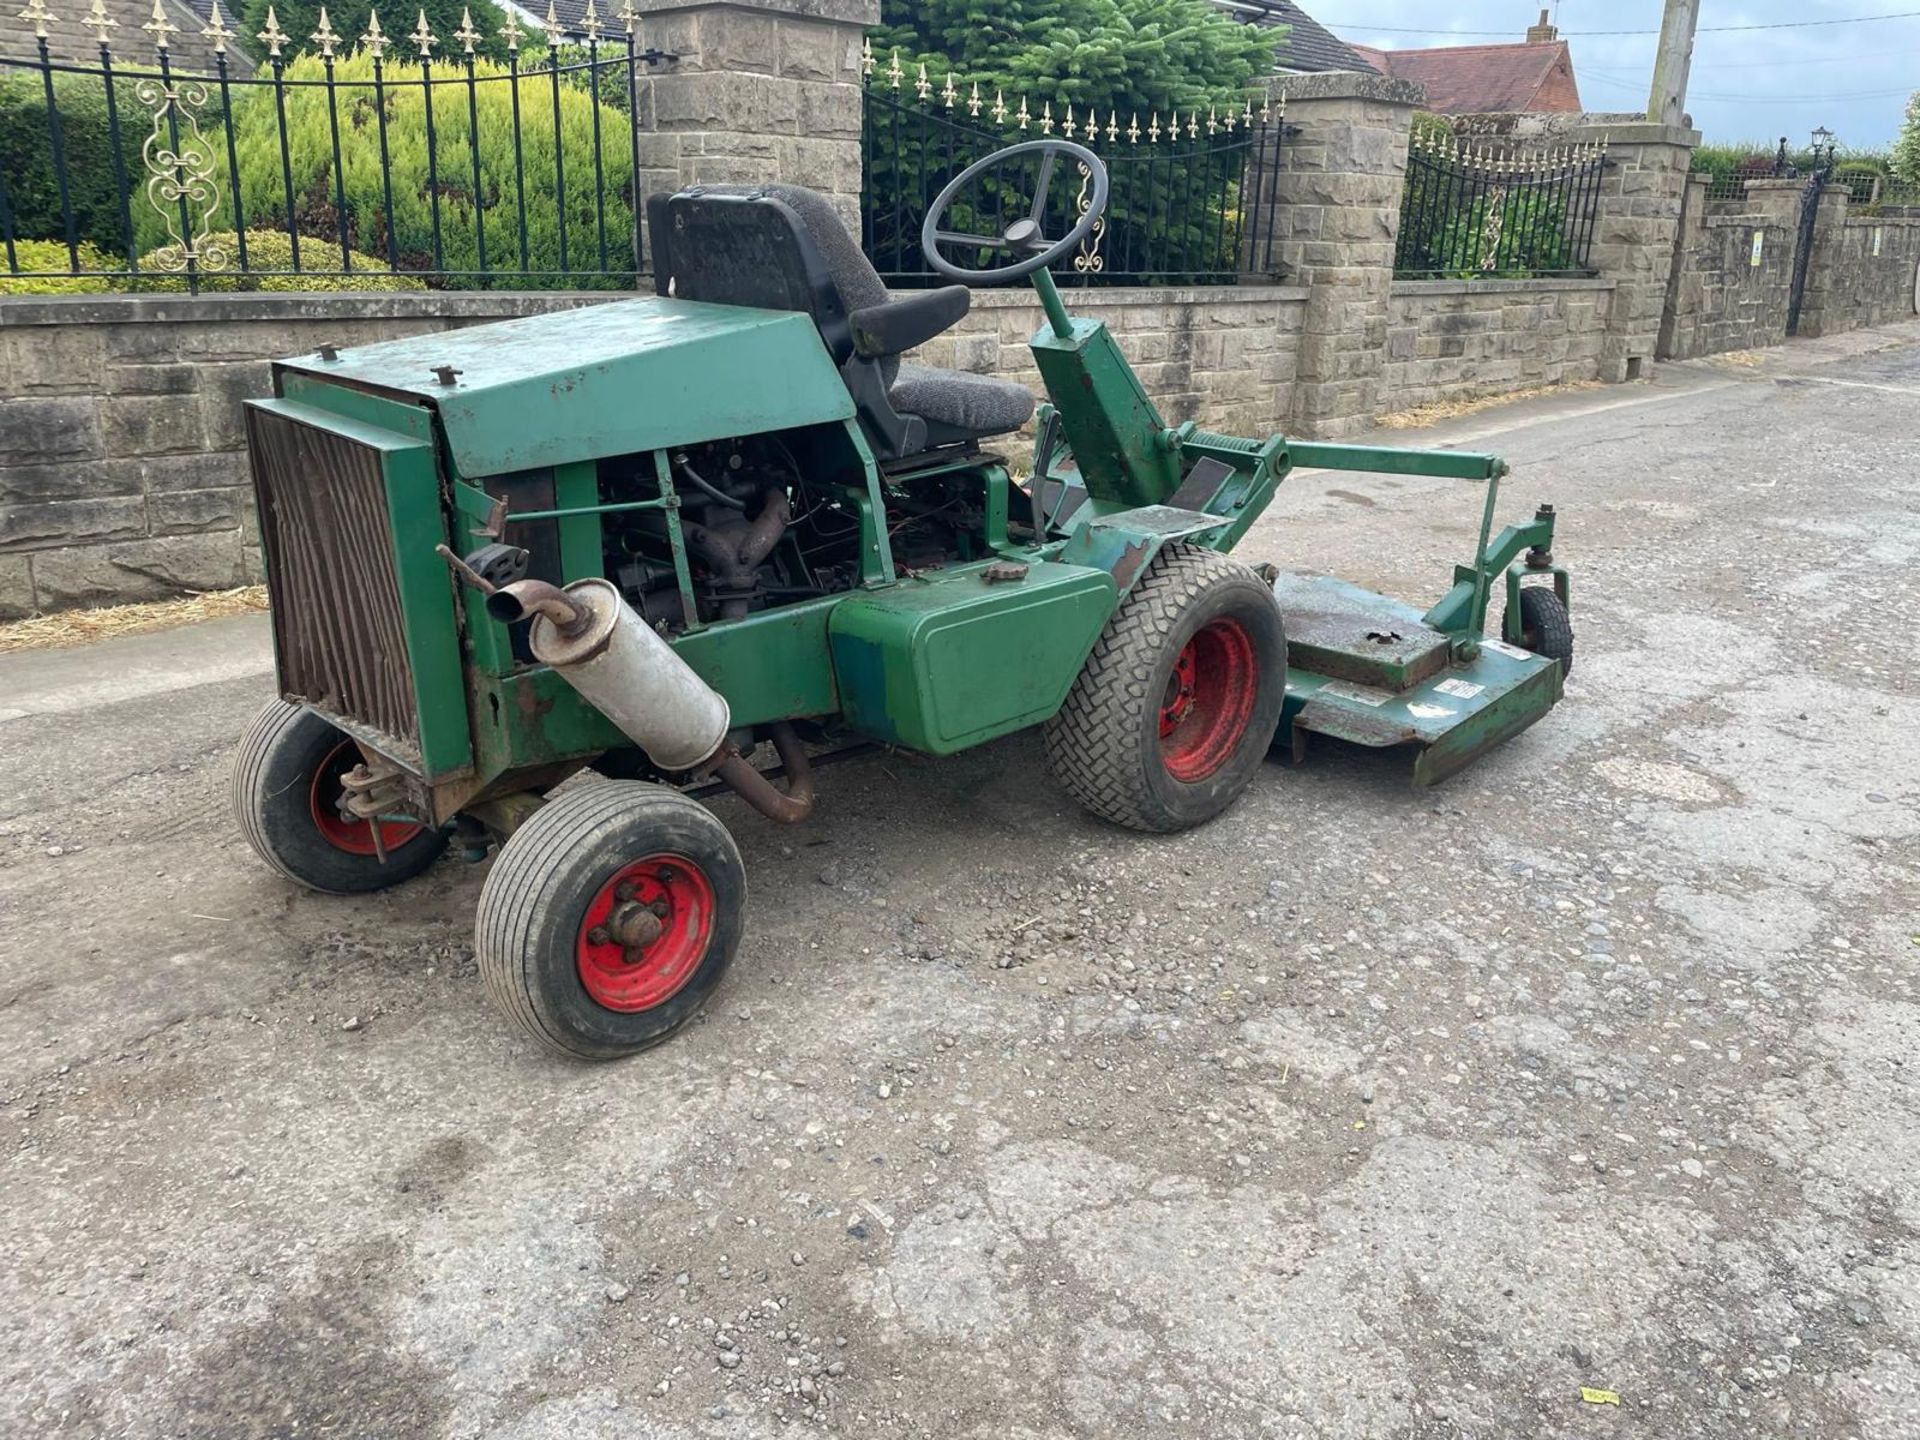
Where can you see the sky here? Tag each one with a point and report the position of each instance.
(1746, 85)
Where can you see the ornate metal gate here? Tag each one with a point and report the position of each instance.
(1803, 246)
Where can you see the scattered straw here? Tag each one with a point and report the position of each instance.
(83, 627)
(1452, 409)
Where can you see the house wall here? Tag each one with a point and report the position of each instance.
(1866, 271)
(1734, 273)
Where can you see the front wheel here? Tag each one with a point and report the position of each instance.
(286, 799)
(609, 917)
(1180, 699)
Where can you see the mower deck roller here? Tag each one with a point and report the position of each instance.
(589, 541)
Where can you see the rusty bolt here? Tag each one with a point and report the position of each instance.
(329, 350)
(664, 874)
(660, 908)
(624, 890)
(445, 374)
(598, 935)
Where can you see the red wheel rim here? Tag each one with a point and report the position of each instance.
(353, 836)
(1208, 701)
(676, 894)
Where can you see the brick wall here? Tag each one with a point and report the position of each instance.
(1460, 339)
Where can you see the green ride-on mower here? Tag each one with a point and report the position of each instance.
(647, 536)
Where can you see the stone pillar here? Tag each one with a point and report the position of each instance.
(1338, 183)
(1642, 194)
(1822, 309)
(762, 90)
(1776, 201)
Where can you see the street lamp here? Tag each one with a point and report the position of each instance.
(1823, 144)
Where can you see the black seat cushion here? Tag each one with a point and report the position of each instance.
(978, 404)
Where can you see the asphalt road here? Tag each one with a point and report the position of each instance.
(1360, 1112)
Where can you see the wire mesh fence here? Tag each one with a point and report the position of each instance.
(1472, 211)
(367, 164)
(1192, 199)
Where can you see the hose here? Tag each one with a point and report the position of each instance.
(713, 492)
(789, 807)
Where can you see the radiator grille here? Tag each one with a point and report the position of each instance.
(336, 599)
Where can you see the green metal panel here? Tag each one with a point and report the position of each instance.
(1453, 716)
(404, 415)
(1391, 460)
(771, 665)
(1117, 435)
(614, 379)
(943, 663)
(1124, 543)
(426, 590)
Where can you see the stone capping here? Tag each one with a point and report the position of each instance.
(25, 310)
(844, 12)
(1501, 287)
(1347, 85)
(22, 311)
(1022, 298)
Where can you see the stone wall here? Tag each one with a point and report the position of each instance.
(1460, 339)
(122, 475)
(1223, 357)
(1865, 271)
(1720, 298)
(762, 90)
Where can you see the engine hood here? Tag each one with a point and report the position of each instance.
(613, 379)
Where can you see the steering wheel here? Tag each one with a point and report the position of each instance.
(1024, 236)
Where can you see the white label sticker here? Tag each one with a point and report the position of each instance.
(1462, 689)
(1878, 233)
(1759, 248)
(1512, 652)
(1366, 695)
(1428, 712)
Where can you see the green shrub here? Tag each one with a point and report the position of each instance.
(93, 185)
(466, 216)
(268, 250)
(53, 255)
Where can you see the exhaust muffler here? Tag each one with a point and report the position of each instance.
(596, 643)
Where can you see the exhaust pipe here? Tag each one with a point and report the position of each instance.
(789, 808)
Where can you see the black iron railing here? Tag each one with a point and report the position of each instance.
(380, 166)
(1471, 211)
(1192, 197)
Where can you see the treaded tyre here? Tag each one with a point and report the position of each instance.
(286, 793)
(609, 917)
(1176, 707)
(1545, 628)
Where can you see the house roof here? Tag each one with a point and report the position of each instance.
(1478, 79)
(71, 39)
(1310, 45)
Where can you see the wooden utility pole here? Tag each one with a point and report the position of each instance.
(1668, 103)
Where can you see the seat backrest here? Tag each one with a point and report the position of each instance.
(779, 247)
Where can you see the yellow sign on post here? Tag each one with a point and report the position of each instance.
(1759, 248)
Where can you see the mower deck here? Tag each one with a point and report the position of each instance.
(1367, 669)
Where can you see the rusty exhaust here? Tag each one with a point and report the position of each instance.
(789, 807)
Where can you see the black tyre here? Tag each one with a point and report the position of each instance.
(1545, 627)
(555, 934)
(286, 794)
(1176, 706)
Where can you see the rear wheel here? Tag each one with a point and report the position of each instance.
(1178, 702)
(286, 798)
(609, 917)
(1545, 628)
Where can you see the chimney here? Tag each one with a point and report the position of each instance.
(1543, 33)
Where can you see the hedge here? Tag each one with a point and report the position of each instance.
(409, 238)
(269, 250)
(93, 190)
(52, 255)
